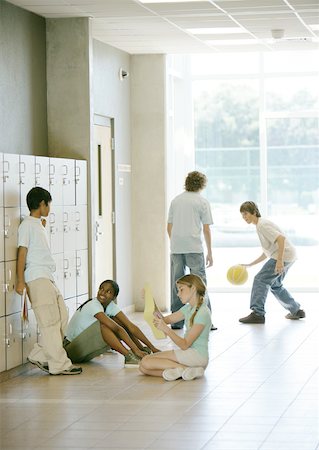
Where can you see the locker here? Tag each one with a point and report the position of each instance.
(71, 306)
(69, 232)
(56, 181)
(11, 225)
(55, 229)
(11, 180)
(82, 282)
(29, 335)
(1, 180)
(42, 172)
(68, 180)
(59, 272)
(2, 344)
(27, 176)
(81, 237)
(13, 300)
(2, 291)
(81, 182)
(1, 234)
(69, 268)
(13, 340)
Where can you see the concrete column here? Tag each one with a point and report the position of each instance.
(148, 115)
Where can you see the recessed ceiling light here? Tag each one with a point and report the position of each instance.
(232, 42)
(314, 27)
(232, 30)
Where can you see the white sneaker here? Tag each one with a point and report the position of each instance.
(190, 373)
(172, 374)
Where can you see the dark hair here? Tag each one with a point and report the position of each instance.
(195, 181)
(250, 207)
(36, 195)
(114, 285)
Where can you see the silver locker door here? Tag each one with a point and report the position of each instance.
(2, 344)
(82, 282)
(69, 275)
(68, 179)
(27, 176)
(59, 272)
(81, 230)
(2, 291)
(14, 340)
(42, 171)
(69, 233)
(1, 179)
(55, 227)
(11, 225)
(13, 300)
(1, 233)
(56, 181)
(11, 180)
(81, 182)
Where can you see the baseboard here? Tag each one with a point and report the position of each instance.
(15, 372)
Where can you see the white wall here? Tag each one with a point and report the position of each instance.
(150, 243)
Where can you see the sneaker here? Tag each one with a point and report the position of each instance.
(213, 328)
(190, 373)
(300, 314)
(42, 366)
(252, 318)
(147, 350)
(71, 371)
(131, 360)
(172, 374)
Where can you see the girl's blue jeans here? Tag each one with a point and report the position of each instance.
(265, 280)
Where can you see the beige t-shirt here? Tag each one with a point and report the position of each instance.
(268, 232)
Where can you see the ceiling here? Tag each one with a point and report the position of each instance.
(141, 26)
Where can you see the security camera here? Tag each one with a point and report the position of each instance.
(123, 74)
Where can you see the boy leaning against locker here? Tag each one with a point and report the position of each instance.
(35, 268)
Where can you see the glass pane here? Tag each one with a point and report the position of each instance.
(305, 61)
(235, 63)
(292, 94)
(226, 119)
(293, 189)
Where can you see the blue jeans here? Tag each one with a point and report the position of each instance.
(196, 265)
(267, 279)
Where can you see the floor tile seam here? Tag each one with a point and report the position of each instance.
(286, 409)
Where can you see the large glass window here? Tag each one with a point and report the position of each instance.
(257, 138)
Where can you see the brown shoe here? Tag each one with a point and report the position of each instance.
(252, 318)
(300, 314)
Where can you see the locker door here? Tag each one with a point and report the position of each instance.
(14, 340)
(81, 182)
(29, 335)
(2, 344)
(59, 272)
(2, 291)
(56, 181)
(11, 180)
(69, 275)
(1, 179)
(1, 233)
(11, 225)
(13, 300)
(42, 172)
(69, 233)
(81, 230)
(68, 177)
(27, 176)
(55, 228)
(82, 283)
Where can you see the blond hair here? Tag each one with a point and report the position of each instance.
(196, 281)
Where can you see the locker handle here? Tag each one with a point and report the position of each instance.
(77, 171)
(22, 180)
(78, 261)
(67, 275)
(52, 216)
(7, 342)
(66, 181)
(52, 229)
(51, 181)
(10, 328)
(22, 166)
(51, 169)
(65, 216)
(37, 168)
(66, 264)
(8, 167)
(79, 272)
(66, 169)
(37, 181)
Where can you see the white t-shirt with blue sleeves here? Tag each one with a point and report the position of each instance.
(83, 318)
(203, 317)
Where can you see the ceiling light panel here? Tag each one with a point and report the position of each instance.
(165, 9)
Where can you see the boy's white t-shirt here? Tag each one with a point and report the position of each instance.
(268, 232)
(39, 260)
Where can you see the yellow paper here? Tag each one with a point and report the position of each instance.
(149, 309)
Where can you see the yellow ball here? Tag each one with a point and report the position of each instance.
(237, 274)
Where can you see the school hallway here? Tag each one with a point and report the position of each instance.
(260, 392)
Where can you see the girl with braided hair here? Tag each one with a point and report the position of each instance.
(191, 358)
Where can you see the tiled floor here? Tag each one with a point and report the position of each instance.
(260, 392)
